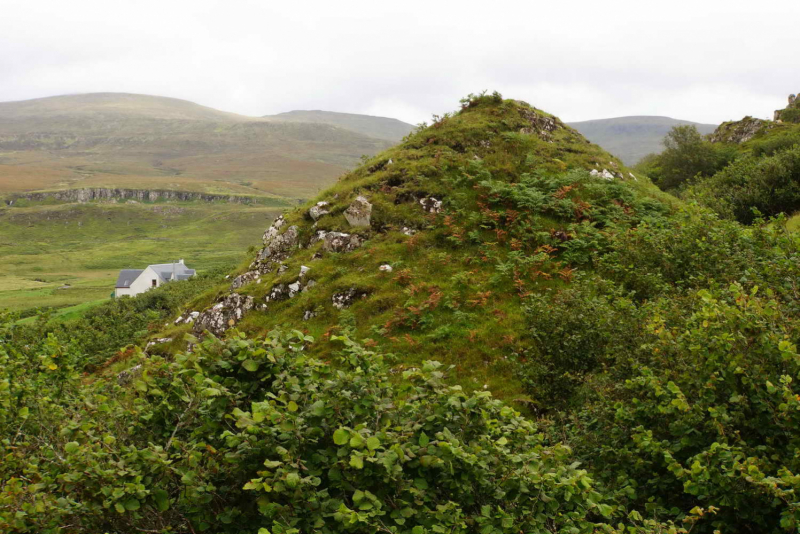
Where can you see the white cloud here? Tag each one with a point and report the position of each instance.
(707, 61)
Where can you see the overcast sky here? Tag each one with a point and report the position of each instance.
(706, 61)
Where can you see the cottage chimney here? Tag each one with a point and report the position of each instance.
(180, 261)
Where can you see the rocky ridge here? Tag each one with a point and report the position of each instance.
(89, 194)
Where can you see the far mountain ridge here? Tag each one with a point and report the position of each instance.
(633, 137)
(373, 126)
(124, 140)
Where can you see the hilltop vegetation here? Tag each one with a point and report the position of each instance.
(644, 350)
(633, 138)
(745, 169)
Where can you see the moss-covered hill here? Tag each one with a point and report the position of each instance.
(468, 217)
(652, 344)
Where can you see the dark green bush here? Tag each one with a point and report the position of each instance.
(769, 184)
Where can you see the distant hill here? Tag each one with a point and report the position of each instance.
(140, 141)
(379, 127)
(632, 138)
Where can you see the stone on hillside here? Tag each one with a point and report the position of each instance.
(126, 377)
(346, 298)
(359, 212)
(318, 210)
(431, 204)
(277, 247)
(385, 268)
(341, 242)
(224, 314)
(304, 270)
(243, 279)
(540, 125)
(605, 174)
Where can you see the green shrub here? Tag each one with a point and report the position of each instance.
(255, 436)
(769, 184)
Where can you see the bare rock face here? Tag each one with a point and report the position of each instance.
(740, 131)
(606, 175)
(340, 242)
(224, 314)
(187, 318)
(318, 210)
(540, 125)
(359, 213)
(245, 278)
(128, 375)
(792, 112)
(346, 298)
(431, 204)
(278, 246)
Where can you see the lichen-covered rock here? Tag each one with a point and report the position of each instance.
(791, 113)
(540, 125)
(740, 131)
(245, 278)
(128, 375)
(346, 298)
(605, 174)
(158, 341)
(340, 242)
(431, 204)
(224, 314)
(359, 213)
(187, 318)
(318, 210)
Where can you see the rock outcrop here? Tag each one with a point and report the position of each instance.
(359, 213)
(90, 194)
(740, 131)
(791, 113)
(224, 314)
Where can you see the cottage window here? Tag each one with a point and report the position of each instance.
(154, 283)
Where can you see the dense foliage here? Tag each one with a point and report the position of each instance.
(650, 343)
(687, 156)
(254, 436)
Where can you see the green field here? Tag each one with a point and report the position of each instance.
(67, 256)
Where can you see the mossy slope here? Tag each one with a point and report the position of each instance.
(526, 202)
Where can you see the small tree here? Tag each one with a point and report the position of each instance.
(687, 154)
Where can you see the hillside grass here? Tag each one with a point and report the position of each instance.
(83, 246)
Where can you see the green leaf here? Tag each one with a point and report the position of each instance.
(373, 443)
(72, 447)
(292, 480)
(356, 441)
(162, 500)
(251, 365)
(24, 412)
(424, 440)
(119, 508)
(421, 483)
(132, 504)
(357, 461)
(341, 436)
(292, 406)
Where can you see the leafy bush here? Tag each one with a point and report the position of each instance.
(255, 436)
(686, 156)
(769, 184)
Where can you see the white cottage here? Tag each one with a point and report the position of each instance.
(131, 282)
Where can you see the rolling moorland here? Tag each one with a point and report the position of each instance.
(65, 252)
(494, 326)
(632, 138)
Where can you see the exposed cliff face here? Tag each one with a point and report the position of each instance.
(791, 113)
(139, 195)
(739, 131)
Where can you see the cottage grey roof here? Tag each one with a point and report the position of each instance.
(127, 276)
(166, 270)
